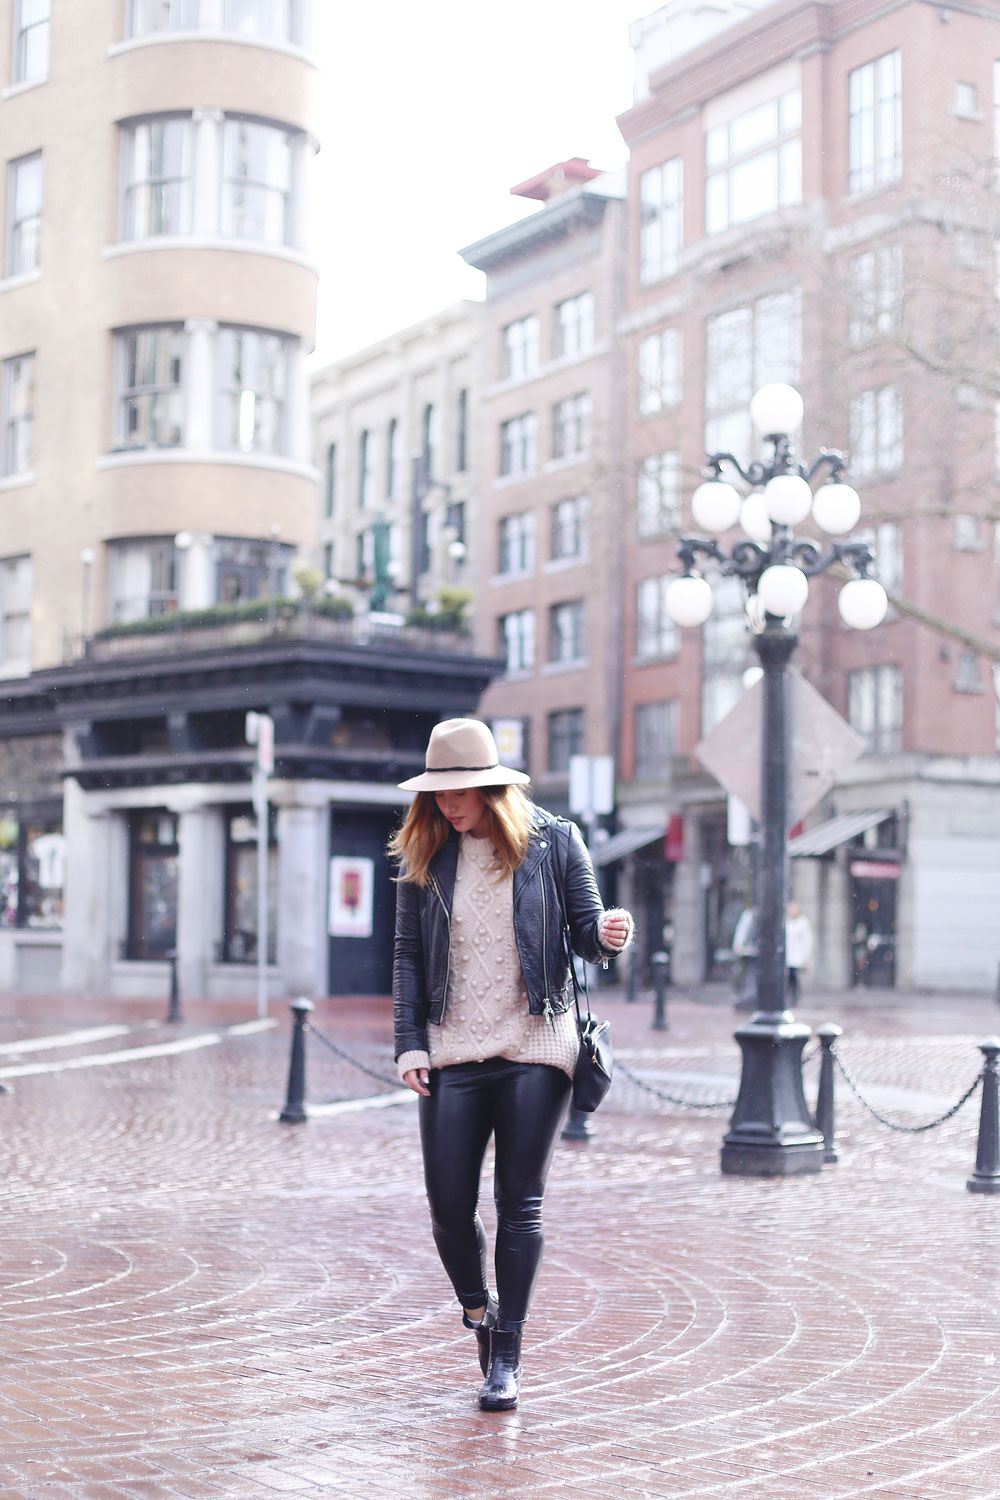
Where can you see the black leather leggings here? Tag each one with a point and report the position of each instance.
(523, 1106)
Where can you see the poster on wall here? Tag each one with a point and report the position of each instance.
(352, 892)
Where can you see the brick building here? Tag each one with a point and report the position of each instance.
(811, 198)
(550, 477)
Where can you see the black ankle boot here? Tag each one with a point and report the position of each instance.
(503, 1380)
(482, 1330)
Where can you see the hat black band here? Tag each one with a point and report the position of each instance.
(445, 770)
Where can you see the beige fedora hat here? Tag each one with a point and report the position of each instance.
(462, 753)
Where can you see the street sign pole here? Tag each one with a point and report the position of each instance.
(260, 732)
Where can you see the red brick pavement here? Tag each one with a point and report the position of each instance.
(200, 1302)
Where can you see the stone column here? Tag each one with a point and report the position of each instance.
(303, 858)
(208, 124)
(95, 895)
(199, 386)
(199, 897)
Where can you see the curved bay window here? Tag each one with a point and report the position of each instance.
(252, 383)
(257, 182)
(157, 176)
(239, 932)
(152, 914)
(150, 410)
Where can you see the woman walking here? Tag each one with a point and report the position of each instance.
(491, 889)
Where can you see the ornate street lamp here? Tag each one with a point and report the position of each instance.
(771, 1133)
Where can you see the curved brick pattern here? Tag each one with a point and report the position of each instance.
(199, 1302)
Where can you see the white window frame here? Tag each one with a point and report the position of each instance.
(145, 192)
(656, 635)
(568, 632)
(177, 15)
(875, 295)
(143, 578)
(655, 726)
(568, 541)
(30, 52)
(516, 544)
(875, 123)
(16, 588)
(521, 342)
(150, 397)
(658, 495)
(518, 446)
(575, 325)
(875, 440)
(661, 220)
(24, 220)
(747, 347)
(251, 418)
(517, 637)
(571, 426)
(258, 209)
(753, 162)
(875, 707)
(661, 371)
(17, 420)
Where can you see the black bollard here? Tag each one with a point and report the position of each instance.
(174, 1011)
(631, 984)
(828, 1034)
(986, 1177)
(294, 1112)
(660, 963)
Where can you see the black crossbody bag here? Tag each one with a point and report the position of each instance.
(596, 1059)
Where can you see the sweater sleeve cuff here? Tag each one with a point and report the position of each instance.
(615, 911)
(408, 1060)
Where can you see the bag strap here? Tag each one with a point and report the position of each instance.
(564, 827)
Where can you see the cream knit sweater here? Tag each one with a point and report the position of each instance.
(487, 1012)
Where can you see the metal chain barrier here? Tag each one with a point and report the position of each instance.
(895, 1124)
(354, 1061)
(671, 1098)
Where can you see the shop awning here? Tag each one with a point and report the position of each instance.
(626, 842)
(835, 831)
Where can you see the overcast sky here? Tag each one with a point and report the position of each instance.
(431, 110)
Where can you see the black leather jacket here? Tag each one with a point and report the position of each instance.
(555, 878)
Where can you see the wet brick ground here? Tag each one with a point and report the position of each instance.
(199, 1302)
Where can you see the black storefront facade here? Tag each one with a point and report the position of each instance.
(126, 827)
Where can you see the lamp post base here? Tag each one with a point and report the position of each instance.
(771, 1133)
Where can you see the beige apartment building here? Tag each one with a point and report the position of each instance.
(395, 441)
(157, 303)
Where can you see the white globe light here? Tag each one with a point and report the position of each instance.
(715, 506)
(783, 589)
(776, 409)
(788, 498)
(754, 519)
(836, 508)
(689, 601)
(862, 603)
(751, 677)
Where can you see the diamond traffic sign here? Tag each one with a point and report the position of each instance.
(821, 746)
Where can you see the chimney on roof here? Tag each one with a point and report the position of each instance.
(556, 180)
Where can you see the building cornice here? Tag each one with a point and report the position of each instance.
(565, 215)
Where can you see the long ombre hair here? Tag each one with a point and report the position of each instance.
(426, 829)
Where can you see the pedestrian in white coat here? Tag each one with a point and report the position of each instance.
(798, 945)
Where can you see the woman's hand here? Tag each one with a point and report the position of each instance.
(615, 930)
(417, 1080)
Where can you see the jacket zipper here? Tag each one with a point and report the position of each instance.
(547, 1010)
(447, 961)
